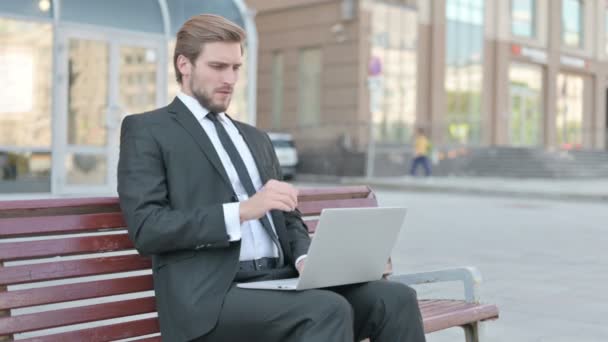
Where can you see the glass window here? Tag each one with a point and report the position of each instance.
(572, 23)
(393, 71)
(26, 78)
(25, 105)
(278, 66)
(138, 95)
(115, 13)
(525, 120)
(88, 67)
(309, 86)
(22, 172)
(569, 119)
(523, 18)
(464, 70)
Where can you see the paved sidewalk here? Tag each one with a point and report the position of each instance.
(595, 190)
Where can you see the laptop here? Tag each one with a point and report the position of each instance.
(351, 245)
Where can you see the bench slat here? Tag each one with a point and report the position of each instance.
(77, 315)
(57, 203)
(342, 192)
(105, 333)
(315, 207)
(150, 339)
(24, 226)
(64, 247)
(73, 268)
(304, 195)
(63, 293)
(312, 225)
(446, 307)
(454, 315)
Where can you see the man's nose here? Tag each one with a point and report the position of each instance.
(230, 76)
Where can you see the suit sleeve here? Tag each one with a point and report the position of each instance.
(299, 240)
(154, 226)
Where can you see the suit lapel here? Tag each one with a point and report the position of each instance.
(187, 120)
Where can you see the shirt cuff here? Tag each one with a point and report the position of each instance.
(232, 220)
(300, 258)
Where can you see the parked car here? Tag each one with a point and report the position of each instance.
(286, 152)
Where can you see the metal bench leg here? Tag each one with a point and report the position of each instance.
(471, 332)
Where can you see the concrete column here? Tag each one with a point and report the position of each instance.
(600, 82)
(589, 84)
(436, 96)
(424, 70)
(599, 139)
(495, 92)
(364, 47)
(553, 63)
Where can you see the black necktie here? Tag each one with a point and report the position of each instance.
(244, 177)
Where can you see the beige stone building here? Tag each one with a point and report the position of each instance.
(520, 73)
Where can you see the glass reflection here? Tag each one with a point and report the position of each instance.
(22, 172)
(569, 118)
(526, 105)
(464, 70)
(86, 169)
(87, 92)
(309, 86)
(26, 79)
(25, 106)
(137, 74)
(393, 71)
(572, 22)
(523, 18)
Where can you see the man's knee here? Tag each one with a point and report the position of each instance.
(328, 316)
(401, 297)
(331, 306)
(335, 306)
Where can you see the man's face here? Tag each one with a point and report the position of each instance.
(212, 77)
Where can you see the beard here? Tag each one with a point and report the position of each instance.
(205, 100)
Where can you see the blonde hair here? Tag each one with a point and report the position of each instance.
(201, 29)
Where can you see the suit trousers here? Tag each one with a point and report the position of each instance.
(382, 310)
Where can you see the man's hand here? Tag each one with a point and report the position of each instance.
(300, 265)
(274, 195)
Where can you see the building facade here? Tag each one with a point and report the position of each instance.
(350, 79)
(340, 74)
(70, 70)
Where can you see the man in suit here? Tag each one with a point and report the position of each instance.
(202, 194)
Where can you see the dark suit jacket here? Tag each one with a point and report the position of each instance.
(172, 185)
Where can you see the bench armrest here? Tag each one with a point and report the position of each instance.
(470, 276)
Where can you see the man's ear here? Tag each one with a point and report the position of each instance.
(184, 65)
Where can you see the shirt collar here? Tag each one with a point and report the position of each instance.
(194, 106)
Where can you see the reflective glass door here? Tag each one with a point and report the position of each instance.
(526, 113)
(102, 79)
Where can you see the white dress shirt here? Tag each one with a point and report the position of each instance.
(255, 242)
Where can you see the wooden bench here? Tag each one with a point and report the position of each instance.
(70, 256)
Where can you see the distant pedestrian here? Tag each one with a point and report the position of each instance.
(422, 149)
